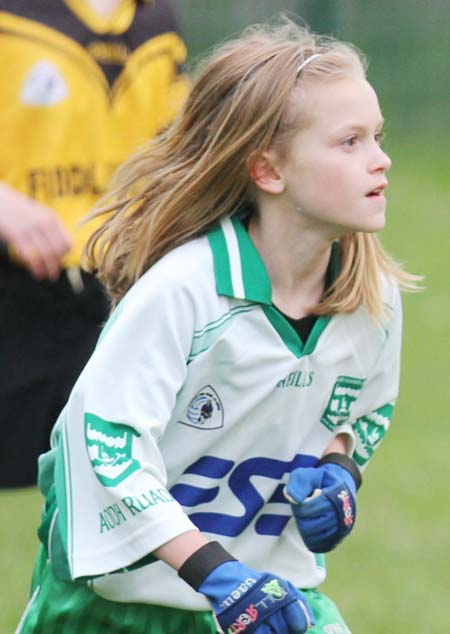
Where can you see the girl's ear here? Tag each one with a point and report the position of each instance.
(265, 173)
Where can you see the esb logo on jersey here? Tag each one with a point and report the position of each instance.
(110, 449)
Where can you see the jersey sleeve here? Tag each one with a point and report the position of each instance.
(114, 507)
(373, 412)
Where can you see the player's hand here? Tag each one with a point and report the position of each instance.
(247, 601)
(242, 599)
(323, 501)
(33, 233)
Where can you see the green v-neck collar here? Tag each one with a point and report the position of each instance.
(241, 273)
(238, 267)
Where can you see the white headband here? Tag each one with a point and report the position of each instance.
(306, 61)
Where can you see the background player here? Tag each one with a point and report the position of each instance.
(84, 83)
(249, 286)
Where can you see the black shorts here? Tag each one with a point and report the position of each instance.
(47, 333)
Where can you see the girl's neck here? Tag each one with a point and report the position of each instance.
(296, 258)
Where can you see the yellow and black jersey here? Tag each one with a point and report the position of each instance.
(80, 93)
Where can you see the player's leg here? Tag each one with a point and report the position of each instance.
(328, 617)
(27, 394)
(57, 607)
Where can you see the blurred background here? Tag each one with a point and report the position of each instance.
(392, 575)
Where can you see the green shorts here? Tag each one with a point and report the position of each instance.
(57, 607)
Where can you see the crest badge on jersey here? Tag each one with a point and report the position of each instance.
(344, 393)
(44, 85)
(205, 411)
(110, 449)
(369, 431)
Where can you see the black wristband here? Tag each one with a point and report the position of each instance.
(346, 462)
(198, 566)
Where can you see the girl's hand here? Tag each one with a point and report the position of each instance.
(242, 599)
(323, 500)
(247, 601)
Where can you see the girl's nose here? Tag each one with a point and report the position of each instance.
(381, 161)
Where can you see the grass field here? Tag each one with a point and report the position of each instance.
(391, 576)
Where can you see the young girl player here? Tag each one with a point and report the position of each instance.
(211, 450)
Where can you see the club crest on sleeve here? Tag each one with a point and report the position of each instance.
(110, 449)
(205, 411)
(369, 431)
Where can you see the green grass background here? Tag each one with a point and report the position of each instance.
(392, 574)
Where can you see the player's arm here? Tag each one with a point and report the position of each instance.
(375, 407)
(323, 498)
(241, 597)
(33, 233)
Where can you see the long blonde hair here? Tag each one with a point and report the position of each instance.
(179, 185)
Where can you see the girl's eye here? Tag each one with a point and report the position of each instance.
(379, 137)
(351, 141)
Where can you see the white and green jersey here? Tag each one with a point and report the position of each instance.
(198, 402)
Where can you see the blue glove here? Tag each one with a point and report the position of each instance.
(247, 601)
(244, 600)
(326, 518)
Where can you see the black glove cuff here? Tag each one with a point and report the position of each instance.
(198, 566)
(346, 462)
